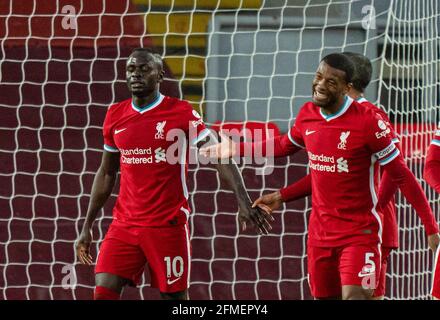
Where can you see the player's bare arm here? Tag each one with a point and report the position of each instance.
(230, 173)
(102, 187)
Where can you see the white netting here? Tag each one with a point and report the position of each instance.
(409, 92)
(235, 60)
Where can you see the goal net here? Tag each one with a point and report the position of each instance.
(62, 64)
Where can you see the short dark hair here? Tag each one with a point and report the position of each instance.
(148, 51)
(340, 62)
(362, 70)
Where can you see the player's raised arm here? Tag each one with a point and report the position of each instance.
(230, 173)
(102, 187)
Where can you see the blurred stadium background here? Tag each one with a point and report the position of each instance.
(238, 61)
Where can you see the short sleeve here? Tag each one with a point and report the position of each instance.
(197, 130)
(295, 136)
(109, 143)
(436, 140)
(379, 137)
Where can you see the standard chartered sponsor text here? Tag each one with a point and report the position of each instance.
(321, 158)
(136, 152)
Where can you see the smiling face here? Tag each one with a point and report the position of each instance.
(144, 72)
(329, 86)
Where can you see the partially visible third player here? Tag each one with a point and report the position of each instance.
(432, 176)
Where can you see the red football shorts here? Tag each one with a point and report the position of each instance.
(125, 252)
(330, 268)
(435, 292)
(381, 286)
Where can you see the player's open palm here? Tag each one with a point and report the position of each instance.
(83, 247)
(269, 202)
(225, 149)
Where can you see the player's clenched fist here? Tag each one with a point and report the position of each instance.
(83, 247)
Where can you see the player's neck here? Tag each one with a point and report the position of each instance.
(141, 102)
(354, 94)
(329, 110)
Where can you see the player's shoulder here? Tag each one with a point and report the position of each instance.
(367, 104)
(182, 107)
(119, 106)
(307, 109)
(177, 104)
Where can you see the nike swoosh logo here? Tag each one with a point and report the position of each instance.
(118, 131)
(309, 132)
(170, 282)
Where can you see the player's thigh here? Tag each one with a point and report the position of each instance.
(168, 252)
(121, 256)
(379, 292)
(323, 272)
(435, 291)
(359, 267)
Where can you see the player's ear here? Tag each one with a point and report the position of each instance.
(348, 87)
(161, 75)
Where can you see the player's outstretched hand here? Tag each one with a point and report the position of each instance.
(434, 242)
(258, 217)
(83, 247)
(269, 202)
(225, 149)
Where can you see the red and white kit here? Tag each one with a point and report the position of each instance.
(151, 212)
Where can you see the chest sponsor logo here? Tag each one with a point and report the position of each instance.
(160, 128)
(385, 129)
(143, 156)
(324, 163)
(343, 144)
(342, 165)
(159, 155)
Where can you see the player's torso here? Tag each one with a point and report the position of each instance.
(153, 161)
(141, 137)
(338, 152)
(343, 171)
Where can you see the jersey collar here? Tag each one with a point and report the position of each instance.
(150, 106)
(361, 100)
(345, 105)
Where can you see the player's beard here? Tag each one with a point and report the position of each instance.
(328, 103)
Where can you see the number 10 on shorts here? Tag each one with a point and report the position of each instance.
(174, 266)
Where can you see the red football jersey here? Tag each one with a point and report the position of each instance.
(390, 234)
(432, 166)
(343, 149)
(153, 147)
(436, 140)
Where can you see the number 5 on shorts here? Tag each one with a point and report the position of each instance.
(368, 272)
